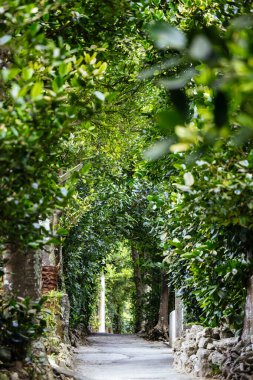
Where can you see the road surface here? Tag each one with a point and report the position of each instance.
(125, 357)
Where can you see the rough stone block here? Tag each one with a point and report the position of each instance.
(199, 335)
(210, 346)
(191, 336)
(216, 358)
(223, 344)
(189, 348)
(205, 370)
(196, 328)
(188, 366)
(225, 332)
(203, 342)
(216, 333)
(208, 332)
(183, 359)
(177, 344)
(203, 353)
(196, 370)
(193, 358)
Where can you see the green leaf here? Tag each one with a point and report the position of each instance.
(188, 179)
(188, 255)
(200, 48)
(14, 131)
(99, 95)
(9, 74)
(62, 232)
(180, 147)
(63, 69)
(27, 73)
(37, 89)
(86, 168)
(15, 90)
(157, 150)
(5, 39)
(33, 244)
(54, 240)
(181, 81)
(182, 187)
(168, 37)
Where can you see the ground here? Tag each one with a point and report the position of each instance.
(125, 357)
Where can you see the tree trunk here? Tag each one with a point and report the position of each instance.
(161, 330)
(139, 292)
(22, 275)
(247, 331)
(179, 317)
(102, 305)
(117, 323)
(248, 315)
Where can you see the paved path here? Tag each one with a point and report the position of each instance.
(125, 357)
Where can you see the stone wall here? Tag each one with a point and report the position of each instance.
(206, 353)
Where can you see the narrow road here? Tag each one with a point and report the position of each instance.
(125, 357)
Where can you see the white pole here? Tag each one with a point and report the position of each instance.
(102, 306)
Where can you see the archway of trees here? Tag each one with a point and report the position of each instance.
(125, 131)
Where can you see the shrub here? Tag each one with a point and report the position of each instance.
(21, 322)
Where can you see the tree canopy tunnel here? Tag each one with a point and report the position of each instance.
(133, 280)
(145, 152)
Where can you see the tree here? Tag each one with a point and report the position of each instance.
(211, 178)
(39, 76)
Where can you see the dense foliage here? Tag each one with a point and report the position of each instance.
(118, 272)
(39, 76)
(21, 322)
(195, 206)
